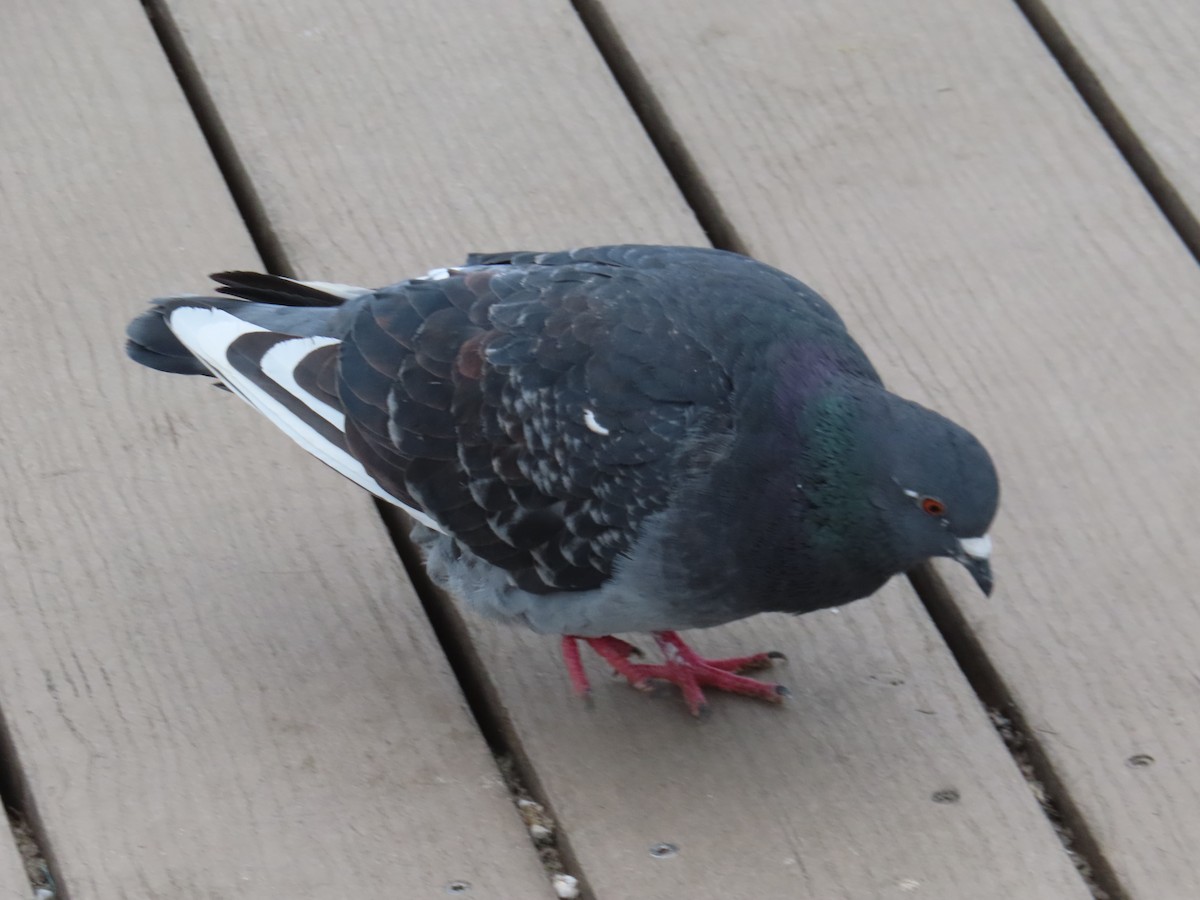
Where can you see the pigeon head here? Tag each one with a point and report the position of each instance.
(936, 487)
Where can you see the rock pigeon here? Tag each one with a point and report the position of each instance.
(608, 439)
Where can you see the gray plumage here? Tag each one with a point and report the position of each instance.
(625, 438)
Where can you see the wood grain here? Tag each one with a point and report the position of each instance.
(13, 883)
(438, 115)
(930, 170)
(1143, 58)
(217, 678)
(417, 133)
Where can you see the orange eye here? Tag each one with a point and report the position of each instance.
(933, 506)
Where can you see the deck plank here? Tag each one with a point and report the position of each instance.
(218, 681)
(1144, 57)
(13, 883)
(932, 171)
(460, 127)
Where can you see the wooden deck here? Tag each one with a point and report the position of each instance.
(216, 679)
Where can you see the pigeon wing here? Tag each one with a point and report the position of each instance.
(537, 412)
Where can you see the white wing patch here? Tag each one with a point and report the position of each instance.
(279, 364)
(208, 332)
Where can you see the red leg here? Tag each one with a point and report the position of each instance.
(616, 653)
(574, 664)
(612, 650)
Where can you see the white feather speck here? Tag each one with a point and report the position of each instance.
(589, 419)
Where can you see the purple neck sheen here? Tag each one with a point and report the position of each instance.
(802, 369)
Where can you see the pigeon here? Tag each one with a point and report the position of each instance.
(605, 440)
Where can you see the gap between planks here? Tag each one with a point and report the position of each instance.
(484, 702)
(216, 135)
(1019, 740)
(19, 811)
(671, 149)
(1127, 141)
(556, 856)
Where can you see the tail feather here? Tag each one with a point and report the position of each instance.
(282, 291)
(299, 308)
(280, 357)
(151, 342)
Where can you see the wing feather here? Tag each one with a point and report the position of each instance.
(260, 367)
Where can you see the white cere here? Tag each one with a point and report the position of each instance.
(977, 547)
(593, 425)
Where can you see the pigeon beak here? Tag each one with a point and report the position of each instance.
(976, 556)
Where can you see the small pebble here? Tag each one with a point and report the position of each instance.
(566, 886)
(540, 825)
(531, 813)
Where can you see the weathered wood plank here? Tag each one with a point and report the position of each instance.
(1144, 58)
(438, 113)
(930, 167)
(214, 671)
(881, 777)
(13, 883)
(406, 134)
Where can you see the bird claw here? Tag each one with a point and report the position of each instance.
(683, 667)
(754, 663)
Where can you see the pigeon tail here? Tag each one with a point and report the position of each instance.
(151, 342)
(280, 291)
(297, 308)
(285, 376)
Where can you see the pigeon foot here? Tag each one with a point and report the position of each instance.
(683, 666)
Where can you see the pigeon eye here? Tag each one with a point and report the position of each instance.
(933, 506)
